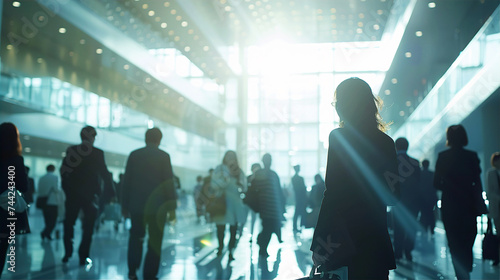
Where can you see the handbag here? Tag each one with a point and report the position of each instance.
(252, 199)
(216, 205)
(338, 274)
(13, 200)
(490, 244)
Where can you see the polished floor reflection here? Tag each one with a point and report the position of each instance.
(189, 252)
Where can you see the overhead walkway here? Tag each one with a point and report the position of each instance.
(470, 80)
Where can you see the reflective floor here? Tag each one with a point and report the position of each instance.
(189, 252)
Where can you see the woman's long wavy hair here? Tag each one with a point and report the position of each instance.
(357, 106)
(10, 145)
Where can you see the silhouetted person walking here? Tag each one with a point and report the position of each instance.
(361, 159)
(457, 175)
(229, 179)
(48, 185)
(428, 198)
(317, 191)
(198, 200)
(82, 170)
(406, 211)
(271, 203)
(28, 196)
(148, 198)
(299, 188)
(10, 160)
(493, 192)
(253, 215)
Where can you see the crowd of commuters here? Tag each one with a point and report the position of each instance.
(366, 172)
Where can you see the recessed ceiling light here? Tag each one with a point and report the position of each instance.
(163, 25)
(98, 51)
(184, 23)
(145, 6)
(387, 92)
(126, 66)
(408, 103)
(394, 80)
(82, 41)
(408, 54)
(39, 60)
(16, 4)
(401, 113)
(376, 26)
(151, 13)
(419, 34)
(206, 48)
(27, 149)
(10, 47)
(227, 8)
(432, 5)
(173, 12)
(187, 49)
(62, 30)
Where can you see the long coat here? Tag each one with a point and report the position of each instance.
(493, 192)
(223, 182)
(361, 180)
(458, 176)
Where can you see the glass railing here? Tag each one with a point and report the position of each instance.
(472, 78)
(53, 96)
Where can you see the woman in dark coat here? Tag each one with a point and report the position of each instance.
(10, 159)
(361, 179)
(458, 176)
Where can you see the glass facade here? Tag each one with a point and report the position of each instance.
(290, 94)
(53, 96)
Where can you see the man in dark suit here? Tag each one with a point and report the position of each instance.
(271, 203)
(406, 211)
(148, 197)
(299, 188)
(428, 198)
(82, 171)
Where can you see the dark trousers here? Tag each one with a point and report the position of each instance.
(89, 208)
(461, 233)
(221, 229)
(50, 218)
(269, 226)
(300, 211)
(405, 229)
(427, 218)
(155, 225)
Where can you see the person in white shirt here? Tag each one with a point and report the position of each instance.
(48, 186)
